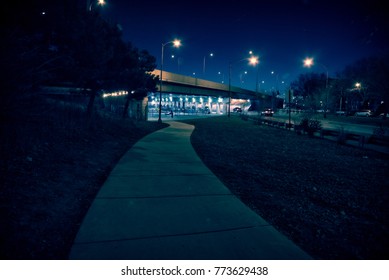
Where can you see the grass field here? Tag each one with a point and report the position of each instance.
(330, 199)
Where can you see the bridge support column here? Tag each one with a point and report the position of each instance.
(225, 105)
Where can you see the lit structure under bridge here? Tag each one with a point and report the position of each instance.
(190, 95)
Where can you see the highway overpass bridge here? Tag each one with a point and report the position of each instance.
(180, 84)
(180, 94)
(189, 94)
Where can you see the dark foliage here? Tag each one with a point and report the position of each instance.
(61, 43)
(310, 126)
(340, 92)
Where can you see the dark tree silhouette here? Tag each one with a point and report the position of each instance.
(60, 42)
(372, 74)
(309, 89)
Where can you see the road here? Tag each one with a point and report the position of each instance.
(339, 123)
(362, 129)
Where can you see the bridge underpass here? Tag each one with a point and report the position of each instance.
(189, 95)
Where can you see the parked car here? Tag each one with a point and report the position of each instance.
(267, 112)
(363, 113)
(237, 110)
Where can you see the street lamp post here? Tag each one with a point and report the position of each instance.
(253, 60)
(178, 62)
(289, 111)
(275, 80)
(275, 91)
(176, 43)
(308, 62)
(358, 86)
(257, 80)
(229, 89)
(222, 76)
(210, 55)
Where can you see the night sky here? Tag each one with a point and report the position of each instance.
(280, 33)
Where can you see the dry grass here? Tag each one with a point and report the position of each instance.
(330, 199)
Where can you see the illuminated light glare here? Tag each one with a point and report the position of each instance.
(253, 60)
(177, 43)
(115, 93)
(308, 62)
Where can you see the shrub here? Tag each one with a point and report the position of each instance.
(310, 126)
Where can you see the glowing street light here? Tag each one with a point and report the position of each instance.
(90, 3)
(176, 43)
(308, 62)
(358, 87)
(253, 60)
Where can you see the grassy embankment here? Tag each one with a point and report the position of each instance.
(330, 199)
(53, 161)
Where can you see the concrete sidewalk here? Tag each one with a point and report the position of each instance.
(161, 202)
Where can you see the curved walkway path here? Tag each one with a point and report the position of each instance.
(161, 202)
